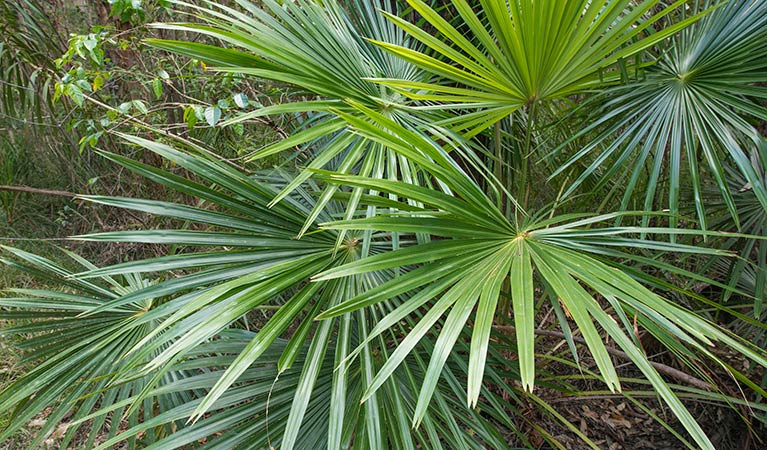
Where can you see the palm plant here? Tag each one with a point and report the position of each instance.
(268, 265)
(75, 357)
(394, 263)
(691, 106)
(27, 48)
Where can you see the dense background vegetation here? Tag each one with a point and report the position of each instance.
(383, 224)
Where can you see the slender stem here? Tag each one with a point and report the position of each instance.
(499, 165)
(522, 186)
(559, 195)
(31, 190)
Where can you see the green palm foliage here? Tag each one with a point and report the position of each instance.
(468, 270)
(27, 47)
(364, 301)
(691, 107)
(753, 252)
(520, 53)
(262, 263)
(74, 357)
(320, 49)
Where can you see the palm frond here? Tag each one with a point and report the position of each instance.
(520, 53)
(75, 359)
(465, 272)
(692, 106)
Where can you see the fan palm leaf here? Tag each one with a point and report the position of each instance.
(319, 48)
(75, 358)
(465, 272)
(520, 53)
(692, 106)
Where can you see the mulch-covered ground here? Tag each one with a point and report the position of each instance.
(614, 422)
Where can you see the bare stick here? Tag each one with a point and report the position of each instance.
(31, 190)
(662, 368)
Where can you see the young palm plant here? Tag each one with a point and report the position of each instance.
(396, 263)
(692, 106)
(262, 267)
(72, 359)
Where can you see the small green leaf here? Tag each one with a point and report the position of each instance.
(190, 117)
(84, 85)
(90, 43)
(199, 112)
(75, 94)
(58, 92)
(212, 115)
(241, 100)
(98, 82)
(157, 88)
(140, 106)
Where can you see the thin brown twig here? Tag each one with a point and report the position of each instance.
(31, 190)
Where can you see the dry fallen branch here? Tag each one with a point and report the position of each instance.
(662, 368)
(31, 190)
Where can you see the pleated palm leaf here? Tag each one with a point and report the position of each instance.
(320, 49)
(255, 412)
(72, 360)
(500, 63)
(570, 257)
(516, 54)
(692, 107)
